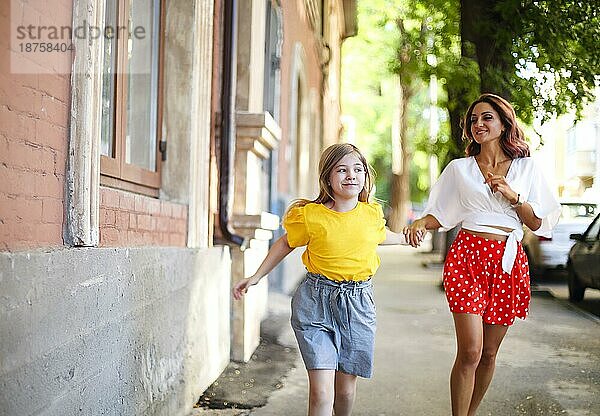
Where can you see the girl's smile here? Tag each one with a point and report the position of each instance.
(347, 179)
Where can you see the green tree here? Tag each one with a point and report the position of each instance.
(380, 86)
(366, 93)
(540, 55)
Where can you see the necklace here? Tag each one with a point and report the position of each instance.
(493, 169)
(494, 164)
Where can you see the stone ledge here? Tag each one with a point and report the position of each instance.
(264, 220)
(257, 132)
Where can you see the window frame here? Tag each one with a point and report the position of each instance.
(115, 171)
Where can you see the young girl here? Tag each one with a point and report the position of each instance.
(491, 193)
(333, 314)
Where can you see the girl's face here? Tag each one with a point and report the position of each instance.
(347, 178)
(486, 125)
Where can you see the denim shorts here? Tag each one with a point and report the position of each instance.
(334, 324)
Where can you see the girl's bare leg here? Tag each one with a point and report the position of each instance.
(345, 392)
(492, 338)
(320, 392)
(469, 338)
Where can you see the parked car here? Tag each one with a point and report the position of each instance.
(552, 253)
(583, 265)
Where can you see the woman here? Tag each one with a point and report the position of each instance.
(492, 192)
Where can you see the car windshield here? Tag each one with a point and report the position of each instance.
(573, 211)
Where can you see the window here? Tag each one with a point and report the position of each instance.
(273, 44)
(570, 211)
(131, 99)
(271, 95)
(593, 233)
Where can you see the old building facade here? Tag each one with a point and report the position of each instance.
(141, 174)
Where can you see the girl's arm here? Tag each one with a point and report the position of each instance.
(276, 253)
(393, 238)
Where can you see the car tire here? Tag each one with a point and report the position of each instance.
(534, 273)
(576, 290)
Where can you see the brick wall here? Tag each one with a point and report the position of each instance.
(128, 219)
(34, 115)
(297, 30)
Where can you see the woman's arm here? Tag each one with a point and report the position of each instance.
(527, 216)
(524, 211)
(415, 232)
(393, 238)
(276, 253)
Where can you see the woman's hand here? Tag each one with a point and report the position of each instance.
(242, 286)
(498, 184)
(415, 232)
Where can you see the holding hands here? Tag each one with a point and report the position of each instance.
(415, 232)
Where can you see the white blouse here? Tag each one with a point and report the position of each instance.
(460, 196)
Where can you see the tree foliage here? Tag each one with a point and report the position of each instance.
(542, 55)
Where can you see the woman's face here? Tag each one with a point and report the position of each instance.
(486, 125)
(347, 178)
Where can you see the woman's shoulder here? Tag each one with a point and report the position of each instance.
(459, 164)
(461, 161)
(525, 163)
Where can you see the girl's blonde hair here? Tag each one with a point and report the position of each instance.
(329, 160)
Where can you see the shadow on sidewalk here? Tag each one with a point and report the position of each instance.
(249, 385)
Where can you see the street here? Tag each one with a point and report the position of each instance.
(556, 283)
(548, 364)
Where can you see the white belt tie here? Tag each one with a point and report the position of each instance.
(510, 252)
(510, 249)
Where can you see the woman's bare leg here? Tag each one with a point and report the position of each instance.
(320, 392)
(345, 392)
(492, 338)
(469, 339)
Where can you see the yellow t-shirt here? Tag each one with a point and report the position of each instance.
(339, 245)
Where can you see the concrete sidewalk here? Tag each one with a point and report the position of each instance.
(548, 364)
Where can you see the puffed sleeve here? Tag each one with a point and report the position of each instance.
(294, 223)
(444, 198)
(380, 223)
(543, 201)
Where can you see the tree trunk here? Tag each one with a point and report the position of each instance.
(479, 23)
(400, 192)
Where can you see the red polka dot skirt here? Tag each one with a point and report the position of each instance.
(475, 282)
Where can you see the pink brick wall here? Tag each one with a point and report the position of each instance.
(297, 30)
(34, 117)
(128, 219)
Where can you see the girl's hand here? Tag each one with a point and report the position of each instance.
(498, 184)
(242, 286)
(415, 232)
